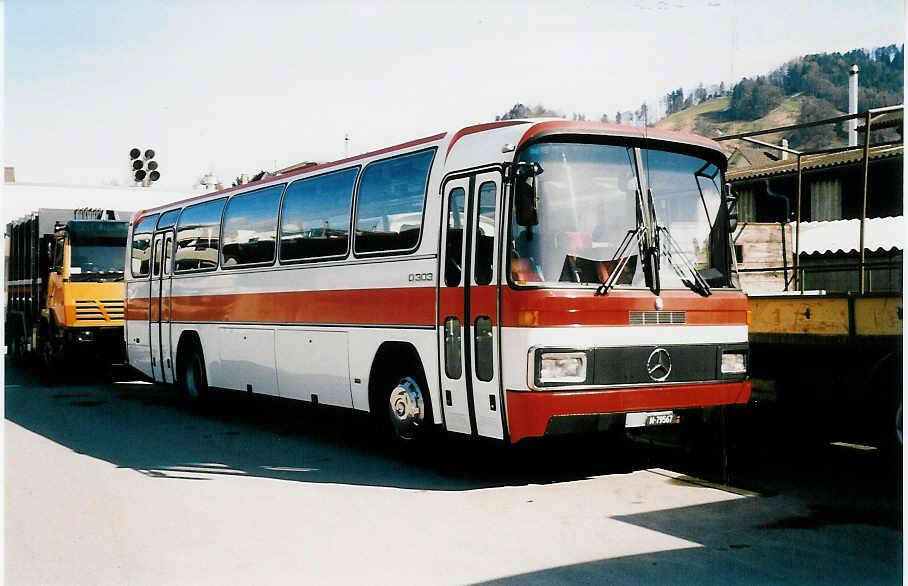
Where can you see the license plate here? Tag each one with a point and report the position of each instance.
(651, 418)
(660, 419)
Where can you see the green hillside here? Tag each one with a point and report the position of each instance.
(711, 118)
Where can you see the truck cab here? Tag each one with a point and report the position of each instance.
(84, 310)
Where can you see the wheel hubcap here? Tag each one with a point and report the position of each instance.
(407, 409)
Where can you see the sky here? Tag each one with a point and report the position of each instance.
(233, 87)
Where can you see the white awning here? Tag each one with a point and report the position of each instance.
(880, 234)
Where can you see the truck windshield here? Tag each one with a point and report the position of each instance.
(588, 204)
(95, 260)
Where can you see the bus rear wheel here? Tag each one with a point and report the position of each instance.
(193, 381)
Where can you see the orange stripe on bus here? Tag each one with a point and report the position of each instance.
(416, 306)
(409, 306)
(136, 309)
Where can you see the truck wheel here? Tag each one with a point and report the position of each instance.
(193, 381)
(15, 350)
(50, 355)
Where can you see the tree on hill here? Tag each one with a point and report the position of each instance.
(674, 101)
(825, 76)
(754, 99)
(521, 111)
(816, 137)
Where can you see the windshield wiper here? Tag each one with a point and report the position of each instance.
(695, 280)
(647, 235)
(603, 289)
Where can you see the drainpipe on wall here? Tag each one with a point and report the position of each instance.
(772, 193)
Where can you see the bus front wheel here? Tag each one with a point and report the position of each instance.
(407, 409)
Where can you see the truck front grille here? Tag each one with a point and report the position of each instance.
(99, 310)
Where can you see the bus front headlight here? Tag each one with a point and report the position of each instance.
(734, 363)
(562, 367)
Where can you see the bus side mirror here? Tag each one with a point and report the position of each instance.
(526, 193)
(731, 205)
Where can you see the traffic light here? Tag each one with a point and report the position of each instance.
(144, 167)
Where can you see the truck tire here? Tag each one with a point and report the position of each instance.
(50, 354)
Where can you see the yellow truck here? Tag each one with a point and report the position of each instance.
(65, 286)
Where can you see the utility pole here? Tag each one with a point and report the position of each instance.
(853, 105)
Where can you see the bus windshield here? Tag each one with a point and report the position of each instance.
(588, 204)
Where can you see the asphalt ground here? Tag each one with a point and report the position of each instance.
(122, 483)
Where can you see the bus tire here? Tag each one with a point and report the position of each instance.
(193, 379)
(399, 396)
(407, 409)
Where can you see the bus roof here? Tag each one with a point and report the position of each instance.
(517, 132)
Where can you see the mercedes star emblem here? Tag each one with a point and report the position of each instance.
(659, 364)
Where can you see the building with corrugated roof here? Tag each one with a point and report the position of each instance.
(769, 244)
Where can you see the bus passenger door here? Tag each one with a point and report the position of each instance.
(482, 305)
(154, 310)
(468, 306)
(451, 303)
(164, 299)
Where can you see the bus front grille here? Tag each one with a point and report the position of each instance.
(639, 318)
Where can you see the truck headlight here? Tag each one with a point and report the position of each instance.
(734, 363)
(562, 367)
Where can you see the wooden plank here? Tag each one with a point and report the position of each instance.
(819, 316)
(878, 316)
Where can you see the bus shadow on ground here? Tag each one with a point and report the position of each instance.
(150, 429)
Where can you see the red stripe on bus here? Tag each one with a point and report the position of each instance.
(278, 178)
(483, 301)
(529, 411)
(573, 307)
(402, 306)
(450, 303)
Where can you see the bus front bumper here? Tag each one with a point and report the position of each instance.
(538, 413)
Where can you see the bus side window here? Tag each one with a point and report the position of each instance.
(141, 246)
(156, 260)
(198, 234)
(168, 253)
(389, 207)
(250, 227)
(453, 359)
(485, 234)
(454, 237)
(315, 219)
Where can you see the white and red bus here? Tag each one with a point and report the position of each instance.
(508, 280)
